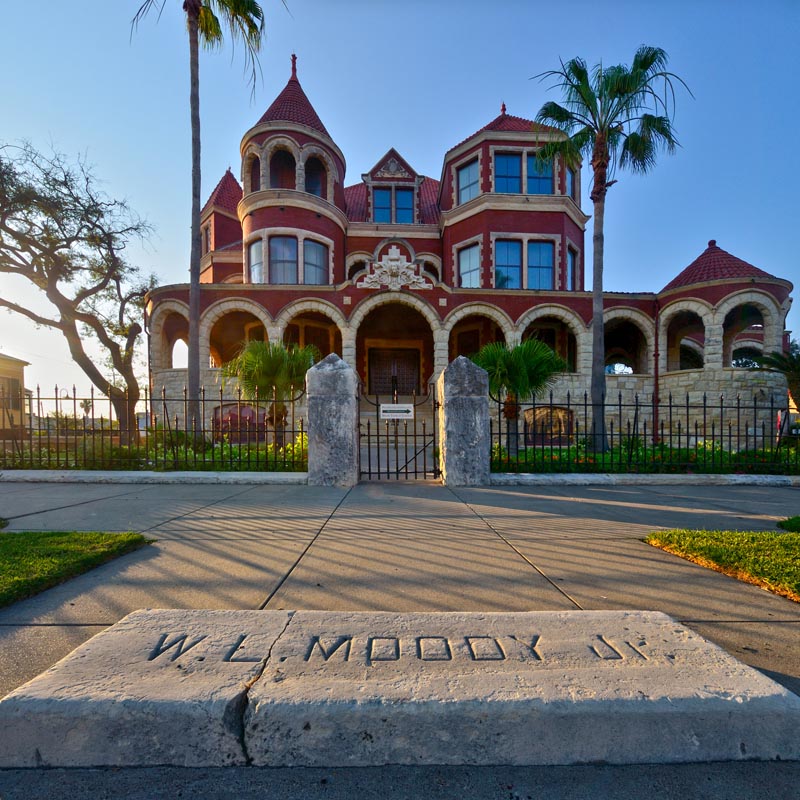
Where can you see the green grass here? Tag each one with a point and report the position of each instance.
(766, 558)
(791, 524)
(31, 562)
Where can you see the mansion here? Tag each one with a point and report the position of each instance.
(399, 273)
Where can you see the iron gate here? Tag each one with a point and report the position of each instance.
(398, 447)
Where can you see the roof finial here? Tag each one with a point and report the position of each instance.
(294, 66)
(712, 242)
(503, 108)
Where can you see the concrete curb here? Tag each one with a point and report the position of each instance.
(605, 479)
(301, 478)
(134, 477)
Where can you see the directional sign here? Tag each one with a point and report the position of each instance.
(397, 411)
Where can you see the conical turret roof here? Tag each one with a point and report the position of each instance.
(226, 195)
(292, 105)
(715, 264)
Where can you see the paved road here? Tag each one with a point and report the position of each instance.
(400, 546)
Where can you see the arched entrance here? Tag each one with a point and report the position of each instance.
(230, 332)
(471, 333)
(394, 350)
(557, 335)
(313, 328)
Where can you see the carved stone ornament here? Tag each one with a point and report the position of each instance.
(395, 272)
(392, 169)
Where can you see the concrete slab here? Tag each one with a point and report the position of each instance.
(538, 688)
(28, 650)
(359, 570)
(357, 689)
(159, 687)
(199, 574)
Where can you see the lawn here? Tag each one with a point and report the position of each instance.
(31, 562)
(766, 558)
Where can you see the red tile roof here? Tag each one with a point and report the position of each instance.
(715, 264)
(292, 105)
(355, 201)
(508, 122)
(226, 194)
(355, 198)
(429, 201)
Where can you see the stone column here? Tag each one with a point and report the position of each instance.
(333, 448)
(463, 424)
(441, 339)
(712, 349)
(349, 345)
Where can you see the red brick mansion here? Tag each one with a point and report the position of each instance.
(399, 273)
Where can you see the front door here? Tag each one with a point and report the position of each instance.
(393, 367)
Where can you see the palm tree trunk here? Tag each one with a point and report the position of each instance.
(598, 382)
(192, 11)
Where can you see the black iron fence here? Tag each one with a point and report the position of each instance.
(161, 432)
(696, 433)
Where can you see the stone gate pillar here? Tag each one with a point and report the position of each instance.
(463, 424)
(333, 448)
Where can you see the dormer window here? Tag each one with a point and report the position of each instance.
(508, 173)
(540, 176)
(393, 205)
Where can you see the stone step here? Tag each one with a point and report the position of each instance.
(305, 688)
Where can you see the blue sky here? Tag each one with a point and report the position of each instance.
(419, 76)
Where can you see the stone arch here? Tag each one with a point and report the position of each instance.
(670, 340)
(431, 264)
(354, 261)
(316, 322)
(404, 243)
(771, 318)
(312, 150)
(252, 153)
(161, 346)
(574, 325)
(303, 306)
(500, 317)
(640, 353)
(218, 310)
(369, 304)
(269, 149)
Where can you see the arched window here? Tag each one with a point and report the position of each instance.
(255, 174)
(316, 178)
(282, 170)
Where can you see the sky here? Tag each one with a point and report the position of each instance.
(419, 76)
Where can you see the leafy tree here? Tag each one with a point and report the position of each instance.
(271, 372)
(788, 363)
(206, 21)
(616, 116)
(519, 372)
(68, 240)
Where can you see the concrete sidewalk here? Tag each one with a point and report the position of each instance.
(401, 547)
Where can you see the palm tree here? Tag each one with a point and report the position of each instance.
(205, 20)
(788, 363)
(272, 373)
(519, 373)
(617, 116)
